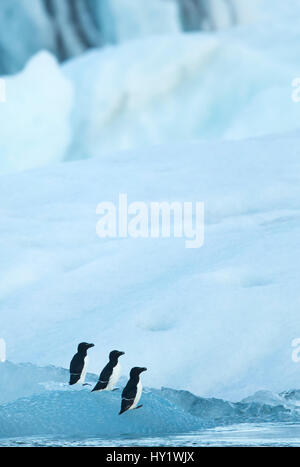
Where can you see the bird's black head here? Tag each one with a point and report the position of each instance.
(84, 346)
(115, 354)
(136, 371)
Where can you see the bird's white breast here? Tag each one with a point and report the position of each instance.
(84, 370)
(139, 390)
(114, 377)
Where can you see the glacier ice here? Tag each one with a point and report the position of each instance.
(153, 90)
(174, 92)
(34, 120)
(18, 19)
(129, 103)
(132, 19)
(68, 28)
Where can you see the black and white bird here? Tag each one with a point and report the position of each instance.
(78, 365)
(110, 374)
(133, 390)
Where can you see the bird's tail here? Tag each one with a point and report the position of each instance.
(100, 386)
(74, 379)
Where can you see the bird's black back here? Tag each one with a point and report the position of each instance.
(104, 376)
(129, 393)
(76, 367)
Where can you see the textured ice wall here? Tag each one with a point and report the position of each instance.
(122, 102)
(71, 412)
(19, 20)
(181, 87)
(214, 411)
(234, 84)
(69, 27)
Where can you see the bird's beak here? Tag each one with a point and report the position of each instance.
(121, 353)
(91, 345)
(143, 369)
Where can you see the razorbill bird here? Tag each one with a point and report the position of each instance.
(78, 365)
(110, 374)
(133, 390)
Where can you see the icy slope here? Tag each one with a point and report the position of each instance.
(223, 316)
(26, 379)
